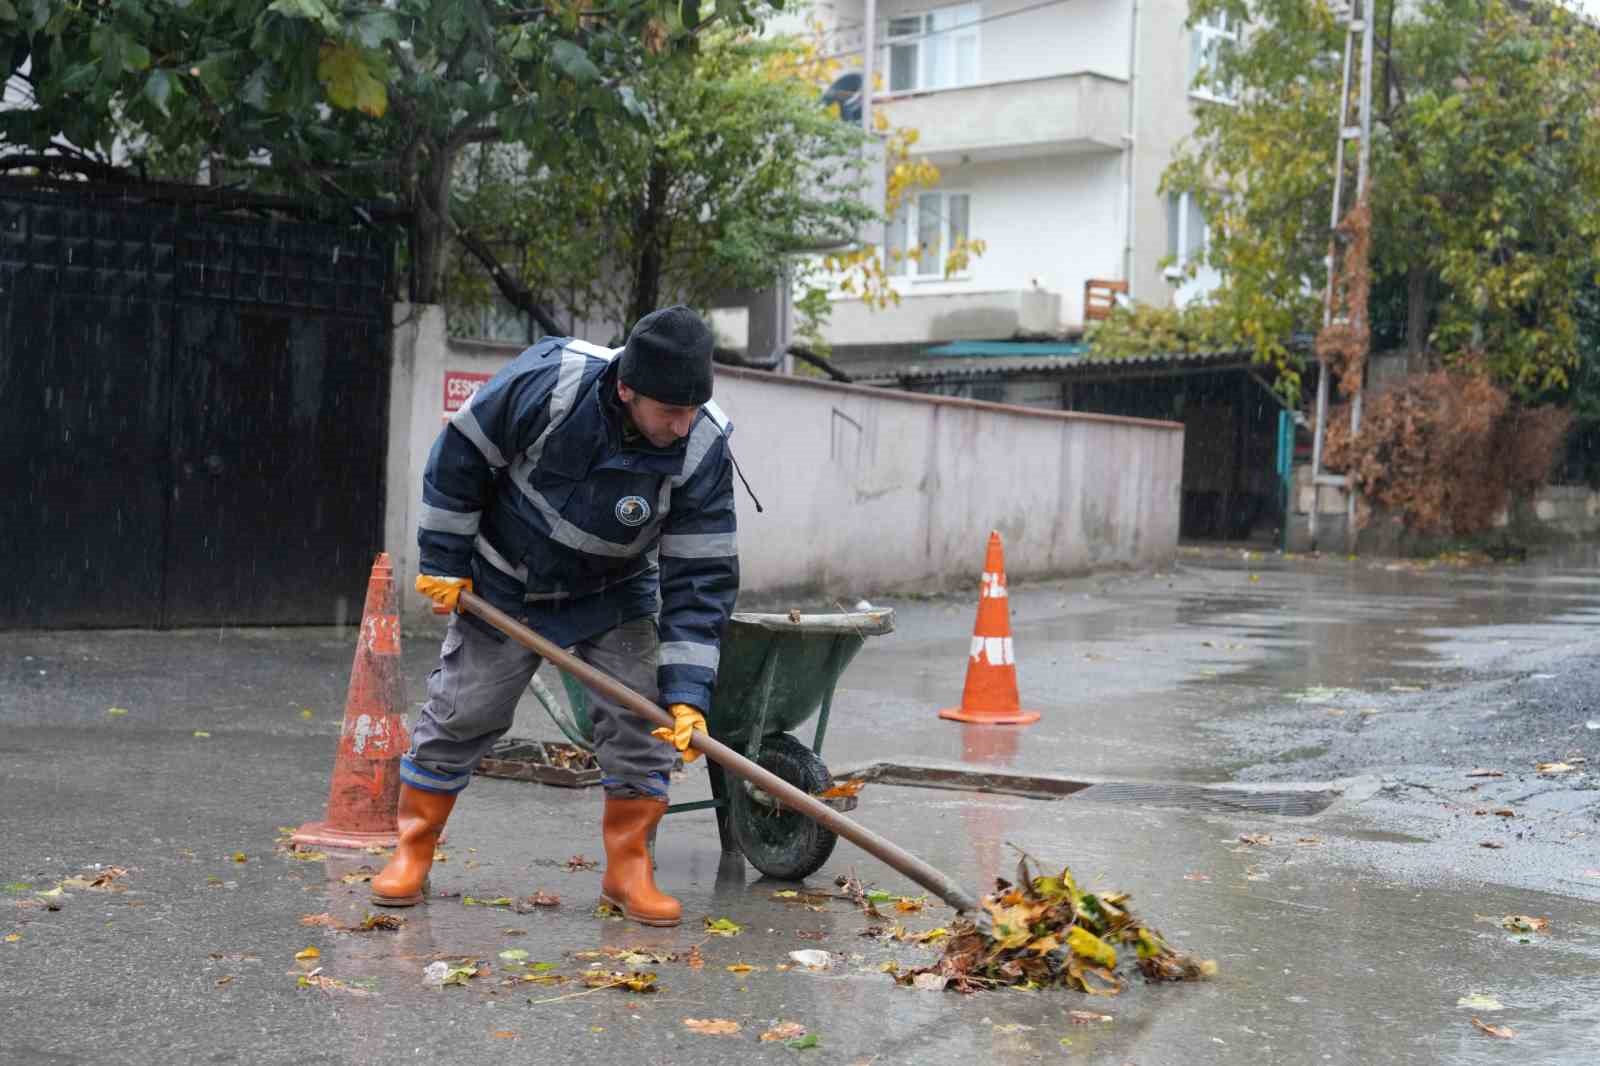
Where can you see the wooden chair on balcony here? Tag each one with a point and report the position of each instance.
(1100, 298)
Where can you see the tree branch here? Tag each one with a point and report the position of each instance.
(729, 357)
(513, 290)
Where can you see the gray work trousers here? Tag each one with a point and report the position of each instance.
(473, 694)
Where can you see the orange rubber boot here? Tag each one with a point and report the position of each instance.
(421, 815)
(629, 883)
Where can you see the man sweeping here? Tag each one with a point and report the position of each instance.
(591, 497)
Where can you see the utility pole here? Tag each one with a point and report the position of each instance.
(1358, 128)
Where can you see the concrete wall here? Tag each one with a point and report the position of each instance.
(1553, 513)
(865, 490)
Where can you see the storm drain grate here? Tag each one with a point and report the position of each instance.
(1293, 803)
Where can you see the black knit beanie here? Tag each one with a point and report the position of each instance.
(668, 357)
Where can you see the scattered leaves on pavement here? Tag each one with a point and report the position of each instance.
(844, 789)
(783, 1031)
(808, 1041)
(116, 712)
(579, 862)
(1263, 840)
(1479, 1001)
(711, 1026)
(1486, 773)
(514, 954)
(633, 981)
(201, 733)
(1501, 1031)
(308, 953)
(1553, 768)
(540, 898)
(812, 959)
(1049, 932)
(1523, 923)
(240, 856)
(379, 921)
(498, 901)
(910, 904)
(12, 938)
(723, 927)
(740, 967)
(329, 984)
(1087, 1017)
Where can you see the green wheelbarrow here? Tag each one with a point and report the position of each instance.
(776, 672)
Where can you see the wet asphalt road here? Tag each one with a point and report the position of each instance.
(1345, 937)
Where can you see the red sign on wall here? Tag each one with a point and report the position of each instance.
(459, 385)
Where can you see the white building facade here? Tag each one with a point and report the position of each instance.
(1051, 122)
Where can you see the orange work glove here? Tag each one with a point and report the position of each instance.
(685, 720)
(444, 591)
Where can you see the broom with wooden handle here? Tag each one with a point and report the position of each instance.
(731, 761)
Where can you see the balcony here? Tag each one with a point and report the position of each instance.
(1064, 114)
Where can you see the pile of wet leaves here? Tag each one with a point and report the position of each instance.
(1046, 932)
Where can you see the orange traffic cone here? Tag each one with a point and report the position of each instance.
(990, 696)
(366, 770)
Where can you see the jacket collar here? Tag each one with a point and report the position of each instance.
(593, 436)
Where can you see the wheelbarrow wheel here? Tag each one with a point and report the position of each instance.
(782, 843)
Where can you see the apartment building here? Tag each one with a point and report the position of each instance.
(1051, 122)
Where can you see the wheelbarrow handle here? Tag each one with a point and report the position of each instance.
(731, 761)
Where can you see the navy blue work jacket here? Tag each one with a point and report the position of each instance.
(534, 492)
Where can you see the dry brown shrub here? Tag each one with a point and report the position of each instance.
(1342, 344)
(1446, 450)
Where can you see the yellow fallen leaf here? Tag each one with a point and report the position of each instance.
(12, 938)
(711, 1026)
(305, 712)
(783, 1031)
(909, 905)
(308, 953)
(1091, 947)
(1479, 1001)
(723, 927)
(201, 733)
(844, 789)
(116, 712)
(1553, 767)
(240, 856)
(741, 967)
(1523, 923)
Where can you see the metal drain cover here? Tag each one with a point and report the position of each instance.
(1299, 803)
(1289, 802)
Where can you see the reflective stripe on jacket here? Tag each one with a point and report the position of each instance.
(533, 492)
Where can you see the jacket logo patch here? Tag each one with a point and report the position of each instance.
(633, 511)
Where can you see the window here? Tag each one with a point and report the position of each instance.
(1212, 39)
(1186, 231)
(939, 221)
(933, 50)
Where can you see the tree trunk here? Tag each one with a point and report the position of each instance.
(431, 202)
(647, 274)
(1416, 312)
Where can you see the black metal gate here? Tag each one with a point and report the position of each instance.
(193, 414)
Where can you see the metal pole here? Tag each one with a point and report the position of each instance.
(1327, 300)
(1363, 157)
(869, 59)
(906, 863)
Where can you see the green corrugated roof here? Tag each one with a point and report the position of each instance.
(1010, 348)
